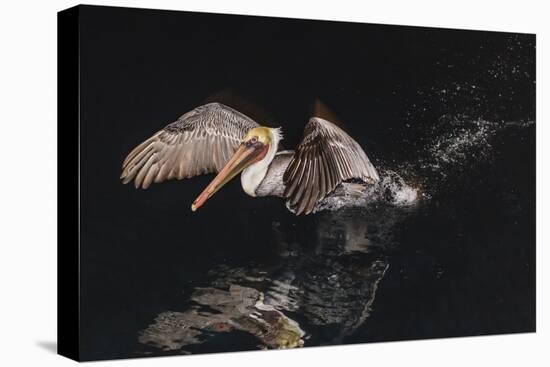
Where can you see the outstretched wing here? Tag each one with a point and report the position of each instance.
(325, 157)
(201, 141)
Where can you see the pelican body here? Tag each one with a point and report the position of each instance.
(215, 138)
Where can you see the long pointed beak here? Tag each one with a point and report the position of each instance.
(243, 157)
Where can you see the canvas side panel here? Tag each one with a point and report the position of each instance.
(68, 163)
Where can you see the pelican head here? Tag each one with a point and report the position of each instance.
(255, 153)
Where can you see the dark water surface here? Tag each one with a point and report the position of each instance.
(444, 246)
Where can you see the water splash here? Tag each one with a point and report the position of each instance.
(460, 143)
(390, 189)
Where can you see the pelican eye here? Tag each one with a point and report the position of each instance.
(251, 141)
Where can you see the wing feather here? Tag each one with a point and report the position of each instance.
(200, 141)
(326, 157)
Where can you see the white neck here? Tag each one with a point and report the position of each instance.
(254, 174)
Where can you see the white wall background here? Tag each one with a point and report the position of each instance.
(28, 182)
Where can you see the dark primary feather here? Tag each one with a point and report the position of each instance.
(200, 141)
(326, 157)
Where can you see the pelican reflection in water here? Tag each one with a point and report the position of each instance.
(308, 294)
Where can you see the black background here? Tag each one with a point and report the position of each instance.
(141, 69)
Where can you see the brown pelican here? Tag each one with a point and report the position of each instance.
(216, 138)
